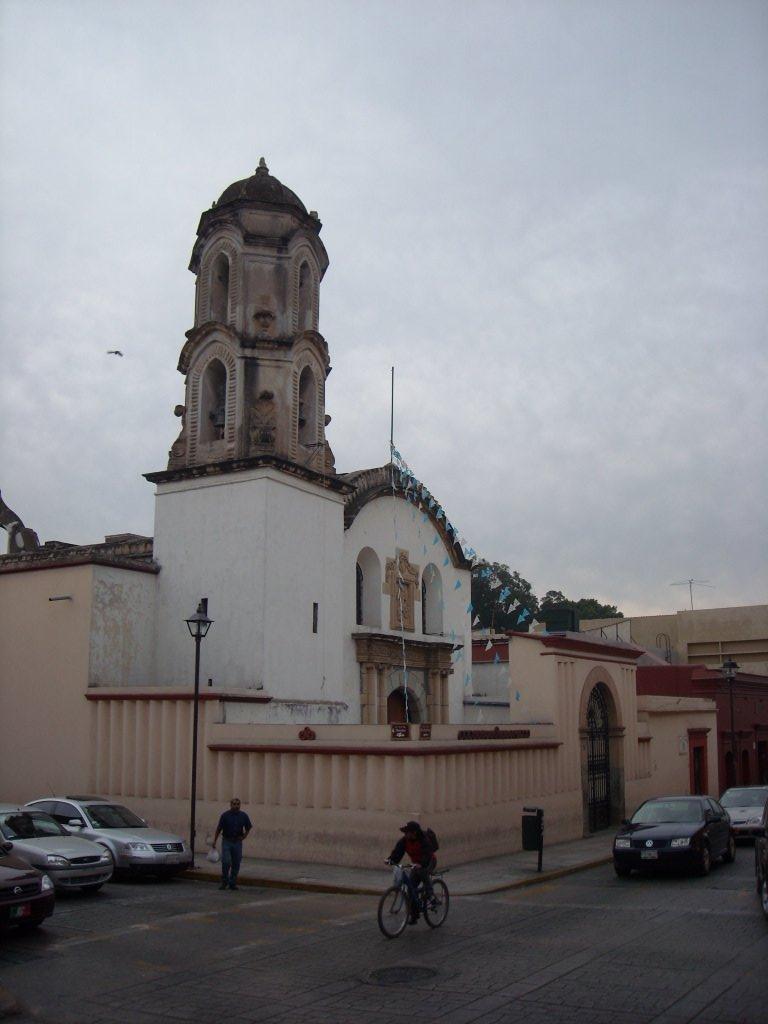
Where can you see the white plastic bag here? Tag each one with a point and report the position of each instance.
(213, 855)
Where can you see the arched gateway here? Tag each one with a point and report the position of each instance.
(602, 760)
(598, 761)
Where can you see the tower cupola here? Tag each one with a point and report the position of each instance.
(255, 363)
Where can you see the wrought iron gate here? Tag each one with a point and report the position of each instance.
(598, 762)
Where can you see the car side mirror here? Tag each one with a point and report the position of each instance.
(625, 821)
(6, 847)
(709, 816)
(75, 823)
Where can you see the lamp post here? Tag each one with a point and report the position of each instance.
(198, 626)
(729, 670)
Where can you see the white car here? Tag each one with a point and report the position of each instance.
(70, 861)
(132, 844)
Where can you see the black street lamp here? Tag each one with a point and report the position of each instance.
(198, 626)
(729, 670)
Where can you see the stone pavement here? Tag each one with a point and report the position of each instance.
(493, 874)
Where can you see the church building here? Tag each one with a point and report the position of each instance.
(336, 674)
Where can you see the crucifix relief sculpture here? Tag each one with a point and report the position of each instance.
(401, 582)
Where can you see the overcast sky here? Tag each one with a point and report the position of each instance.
(550, 216)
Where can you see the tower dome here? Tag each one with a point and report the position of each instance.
(261, 187)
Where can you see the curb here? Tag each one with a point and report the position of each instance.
(356, 890)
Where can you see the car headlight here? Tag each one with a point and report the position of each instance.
(623, 844)
(681, 842)
(46, 884)
(105, 857)
(754, 821)
(137, 846)
(57, 862)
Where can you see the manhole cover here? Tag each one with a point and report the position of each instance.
(402, 974)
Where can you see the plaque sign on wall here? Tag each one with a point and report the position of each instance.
(401, 731)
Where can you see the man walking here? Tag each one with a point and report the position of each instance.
(234, 825)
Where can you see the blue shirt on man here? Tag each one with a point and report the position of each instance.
(234, 824)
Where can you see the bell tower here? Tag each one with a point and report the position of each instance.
(255, 363)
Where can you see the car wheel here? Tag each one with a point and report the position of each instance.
(705, 860)
(621, 871)
(730, 851)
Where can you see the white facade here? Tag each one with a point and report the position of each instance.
(382, 527)
(265, 548)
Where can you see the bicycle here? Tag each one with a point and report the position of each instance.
(395, 906)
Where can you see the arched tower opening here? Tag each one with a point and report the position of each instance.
(213, 402)
(306, 297)
(307, 407)
(220, 289)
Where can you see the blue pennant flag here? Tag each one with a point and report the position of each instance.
(446, 560)
(517, 695)
(496, 658)
(523, 616)
(470, 608)
(424, 517)
(436, 539)
(457, 584)
(504, 594)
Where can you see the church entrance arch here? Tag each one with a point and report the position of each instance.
(402, 706)
(602, 753)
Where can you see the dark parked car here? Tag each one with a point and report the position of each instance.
(761, 859)
(687, 832)
(26, 895)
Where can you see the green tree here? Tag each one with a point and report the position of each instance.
(494, 589)
(590, 608)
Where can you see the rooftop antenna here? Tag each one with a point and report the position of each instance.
(691, 584)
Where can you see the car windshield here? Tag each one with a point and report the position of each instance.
(29, 825)
(754, 797)
(657, 811)
(112, 816)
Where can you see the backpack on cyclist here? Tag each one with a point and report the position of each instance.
(432, 839)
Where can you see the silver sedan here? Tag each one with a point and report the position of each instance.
(71, 862)
(745, 808)
(134, 846)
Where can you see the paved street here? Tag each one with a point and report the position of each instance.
(585, 948)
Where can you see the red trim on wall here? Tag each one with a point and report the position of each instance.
(73, 562)
(233, 698)
(396, 750)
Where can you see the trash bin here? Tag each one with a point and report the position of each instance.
(533, 830)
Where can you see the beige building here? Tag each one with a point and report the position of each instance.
(705, 636)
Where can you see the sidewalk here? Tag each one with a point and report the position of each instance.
(483, 876)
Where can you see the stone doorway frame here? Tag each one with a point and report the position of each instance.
(379, 653)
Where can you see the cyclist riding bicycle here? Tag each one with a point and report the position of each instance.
(420, 848)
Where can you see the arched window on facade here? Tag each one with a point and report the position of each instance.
(359, 594)
(220, 289)
(431, 601)
(307, 407)
(213, 401)
(305, 297)
(368, 582)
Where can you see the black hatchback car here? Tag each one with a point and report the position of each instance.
(26, 895)
(683, 832)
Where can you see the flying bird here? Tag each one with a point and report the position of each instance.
(114, 352)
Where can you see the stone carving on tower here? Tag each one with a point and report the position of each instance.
(254, 362)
